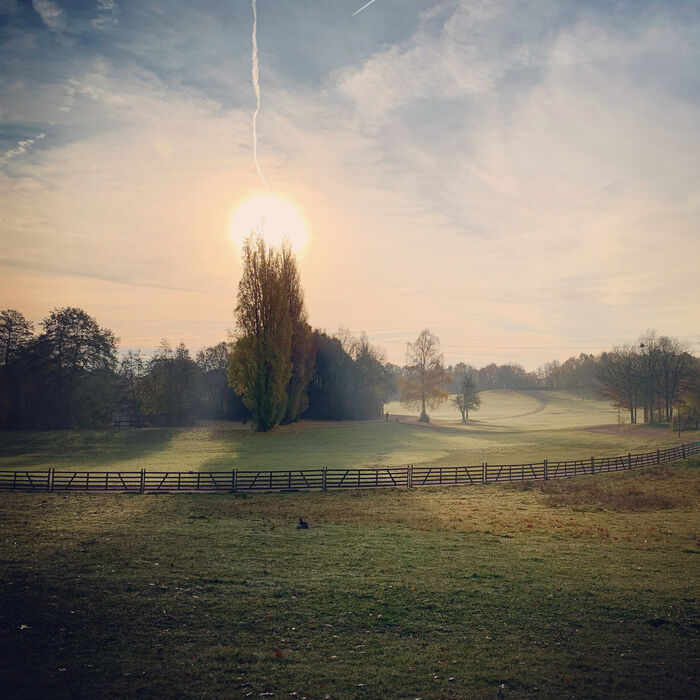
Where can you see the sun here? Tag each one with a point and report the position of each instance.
(273, 217)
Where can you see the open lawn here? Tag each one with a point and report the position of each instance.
(585, 587)
(512, 427)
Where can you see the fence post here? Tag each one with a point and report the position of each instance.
(592, 465)
(142, 486)
(233, 480)
(409, 476)
(658, 457)
(484, 475)
(49, 480)
(629, 460)
(545, 470)
(683, 450)
(324, 478)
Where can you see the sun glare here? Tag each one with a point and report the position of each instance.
(272, 217)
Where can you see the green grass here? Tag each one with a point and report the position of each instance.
(512, 427)
(506, 410)
(483, 591)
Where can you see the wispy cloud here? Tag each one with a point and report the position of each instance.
(21, 147)
(107, 15)
(503, 171)
(51, 14)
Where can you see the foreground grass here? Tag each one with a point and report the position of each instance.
(460, 592)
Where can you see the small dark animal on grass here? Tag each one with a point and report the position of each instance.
(302, 524)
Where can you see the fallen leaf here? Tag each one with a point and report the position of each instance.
(278, 653)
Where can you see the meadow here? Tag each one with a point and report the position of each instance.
(481, 591)
(582, 587)
(511, 427)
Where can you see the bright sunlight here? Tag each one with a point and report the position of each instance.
(274, 218)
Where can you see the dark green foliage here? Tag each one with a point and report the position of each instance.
(344, 387)
(467, 399)
(62, 378)
(218, 399)
(169, 390)
(15, 334)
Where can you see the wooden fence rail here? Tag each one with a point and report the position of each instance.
(323, 479)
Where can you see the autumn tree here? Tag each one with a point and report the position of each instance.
(467, 399)
(425, 380)
(260, 366)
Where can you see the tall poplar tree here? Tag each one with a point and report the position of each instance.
(260, 366)
(303, 356)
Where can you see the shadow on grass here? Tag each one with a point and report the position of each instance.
(80, 449)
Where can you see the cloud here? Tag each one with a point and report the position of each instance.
(503, 172)
(107, 19)
(21, 147)
(51, 14)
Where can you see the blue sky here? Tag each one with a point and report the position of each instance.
(520, 177)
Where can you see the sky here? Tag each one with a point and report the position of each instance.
(520, 177)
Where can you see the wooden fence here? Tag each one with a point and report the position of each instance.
(324, 479)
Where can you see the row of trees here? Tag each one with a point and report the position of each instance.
(61, 377)
(278, 368)
(70, 375)
(656, 375)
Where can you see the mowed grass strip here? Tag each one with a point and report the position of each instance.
(484, 591)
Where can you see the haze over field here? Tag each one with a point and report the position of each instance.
(519, 176)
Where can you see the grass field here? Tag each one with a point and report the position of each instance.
(570, 588)
(512, 427)
(583, 587)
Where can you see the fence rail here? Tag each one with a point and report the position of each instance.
(323, 479)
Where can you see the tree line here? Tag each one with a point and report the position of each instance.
(276, 369)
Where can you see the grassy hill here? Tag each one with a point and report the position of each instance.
(511, 427)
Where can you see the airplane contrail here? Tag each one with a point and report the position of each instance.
(357, 12)
(256, 86)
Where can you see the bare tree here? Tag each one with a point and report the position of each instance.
(619, 374)
(675, 368)
(426, 377)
